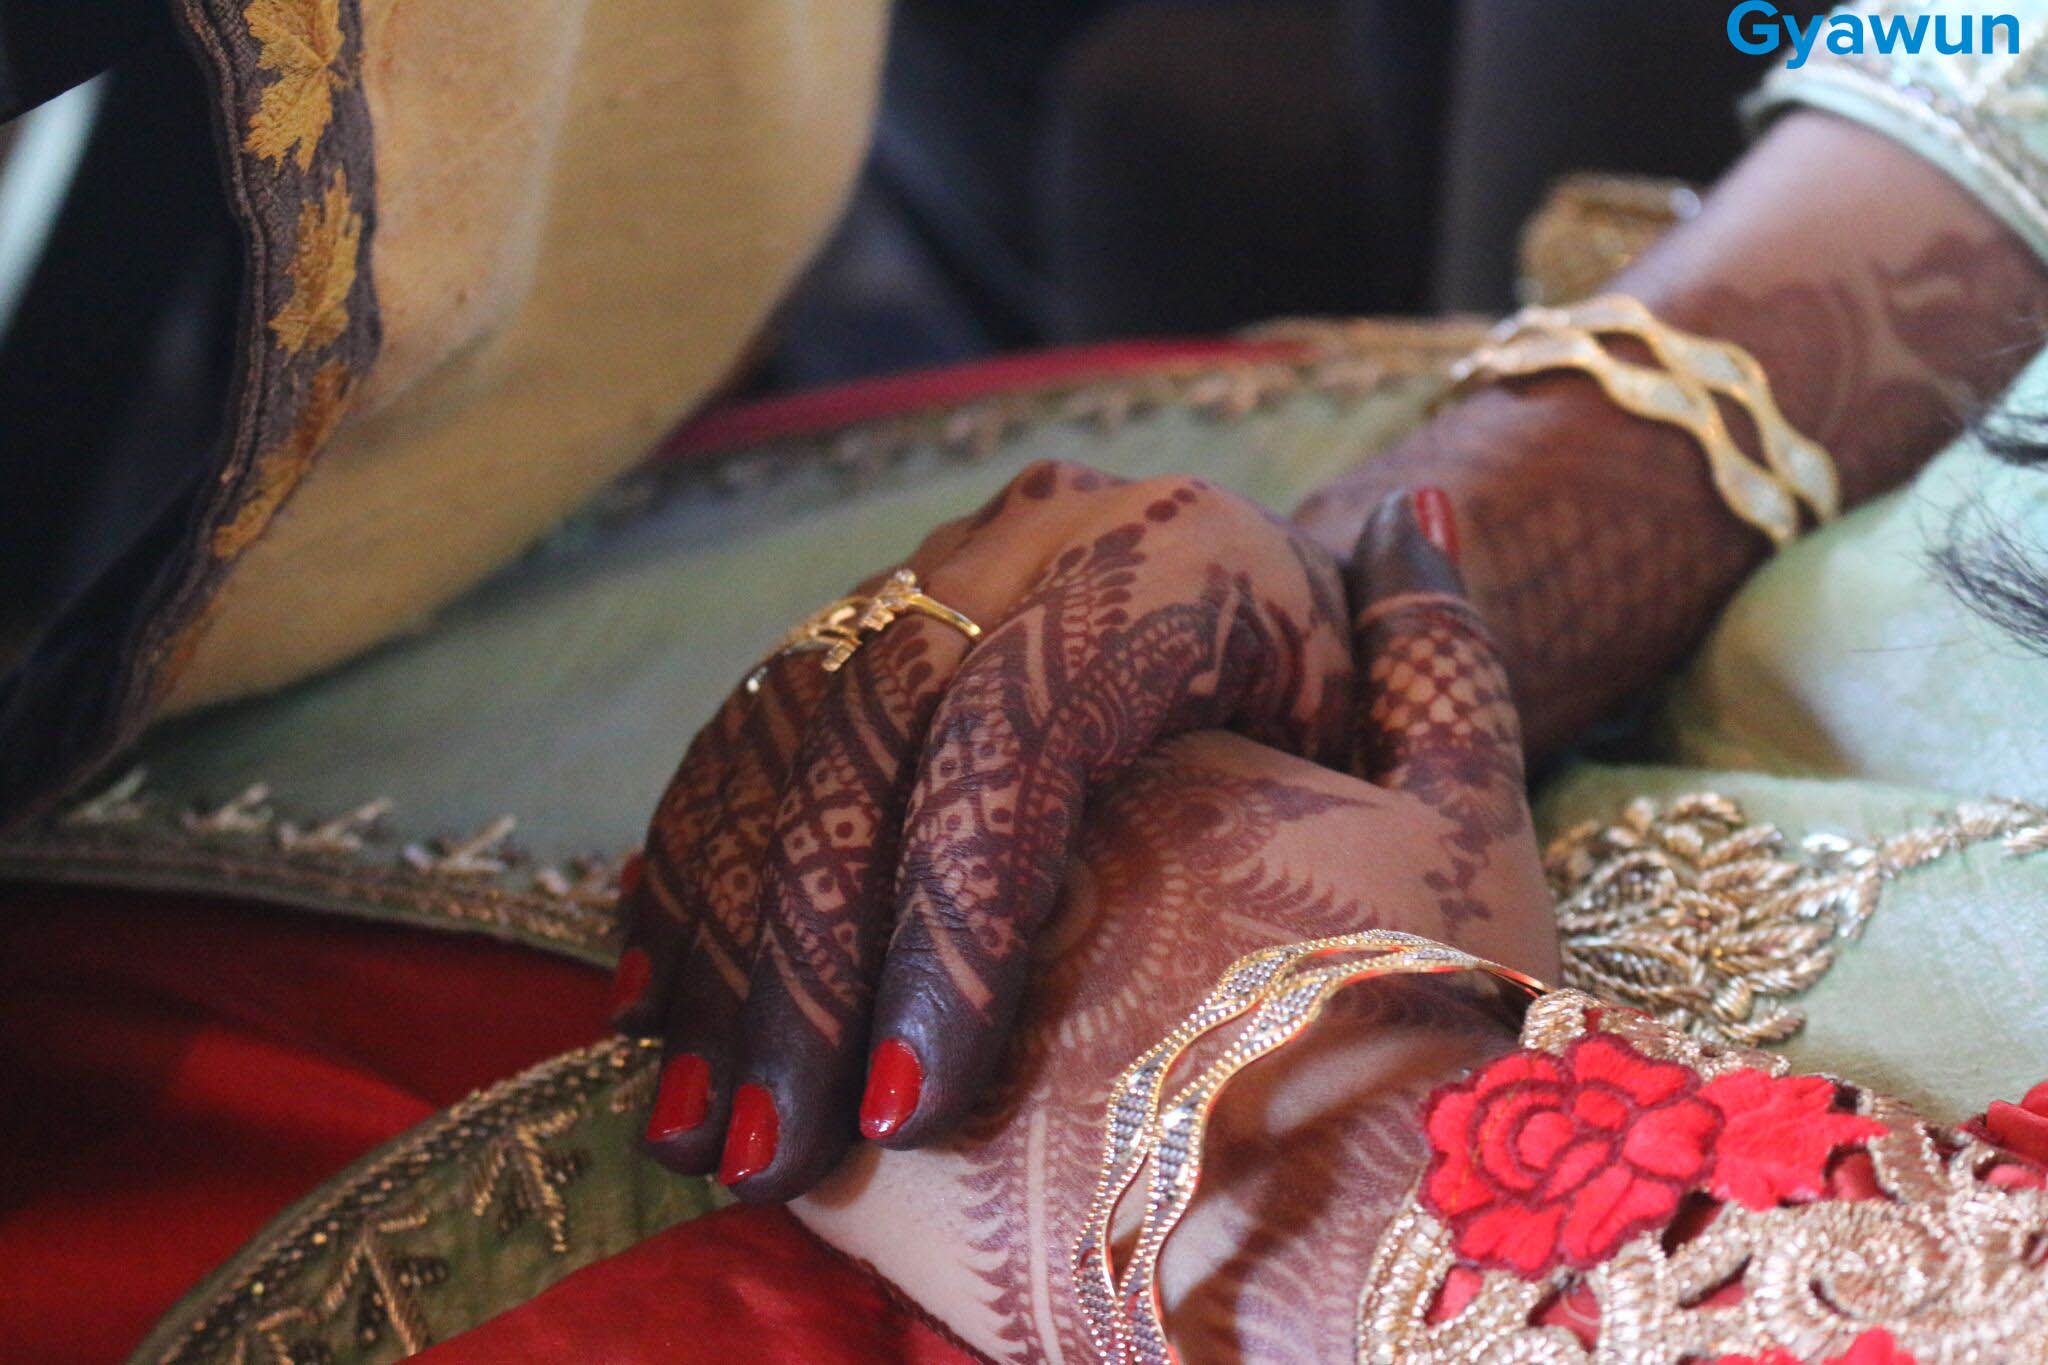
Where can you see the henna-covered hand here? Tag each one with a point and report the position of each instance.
(842, 880)
(1884, 302)
(1207, 849)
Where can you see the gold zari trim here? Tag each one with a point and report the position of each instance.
(289, 1292)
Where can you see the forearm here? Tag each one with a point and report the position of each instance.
(1883, 301)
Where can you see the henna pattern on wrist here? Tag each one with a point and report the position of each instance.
(1177, 882)
(1597, 549)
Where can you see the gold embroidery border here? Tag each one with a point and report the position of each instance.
(343, 865)
(287, 1274)
(307, 224)
(1341, 360)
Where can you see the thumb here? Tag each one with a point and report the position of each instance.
(1434, 711)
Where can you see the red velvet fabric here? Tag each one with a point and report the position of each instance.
(174, 1071)
(744, 1284)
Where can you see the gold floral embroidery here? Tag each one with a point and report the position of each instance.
(1942, 1261)
(279, 469)
(376, 1238)
(300, 40)
(1698, 916)
(323, 271)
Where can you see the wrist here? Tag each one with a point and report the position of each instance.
(1592, 541)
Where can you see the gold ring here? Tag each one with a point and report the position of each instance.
(840, 629)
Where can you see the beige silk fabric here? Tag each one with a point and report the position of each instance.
(584, 212)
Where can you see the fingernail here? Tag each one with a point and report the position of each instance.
(895, 1077)
(629, 982)
(630, 873)
(750, 1141)
(683, 1099)
(1438, 520)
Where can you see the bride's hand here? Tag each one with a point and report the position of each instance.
(839, 886)
(1206, 849)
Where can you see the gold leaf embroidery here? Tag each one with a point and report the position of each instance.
(323, 271)
(300, 40)
(281, 467)
(1703, 918)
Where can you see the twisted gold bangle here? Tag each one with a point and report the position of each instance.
(1723, 368)
(1769, 496)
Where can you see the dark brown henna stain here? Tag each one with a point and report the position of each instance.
(1959, 307)
(1181, 854)
(1439, 724)
(824, 902)
(707, 835)
(1061, 698)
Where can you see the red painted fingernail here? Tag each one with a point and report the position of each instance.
(683, 1099)
(1439, 521)
(629, 982)
(630, 872)
(750, 1141)
(895, 1077)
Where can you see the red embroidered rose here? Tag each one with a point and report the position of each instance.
(1541, 1160)
(1874, 1347)
(2021, 1129)
(1778, 1134)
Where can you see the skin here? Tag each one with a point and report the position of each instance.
(867, 855)
(1886, 305)
(1208, 848)
(874, 855)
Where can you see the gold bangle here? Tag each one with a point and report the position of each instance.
(1727, 369)
(1751, 491)
(1279, 992)
(1796, 471)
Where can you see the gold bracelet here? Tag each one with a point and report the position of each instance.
(1796, 472)
(1279, 992)
(1727, 369)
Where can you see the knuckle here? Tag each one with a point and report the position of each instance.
(1041, 479)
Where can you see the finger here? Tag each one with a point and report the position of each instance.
(1434, 704)
(691, 935)
(825, 907)
(702, 878)
(828, 880)
(1088, 674)
(660, 915)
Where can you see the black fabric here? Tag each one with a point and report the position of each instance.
(48, 46)
(1104, 168)
(113, 390)
(1542, 88)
